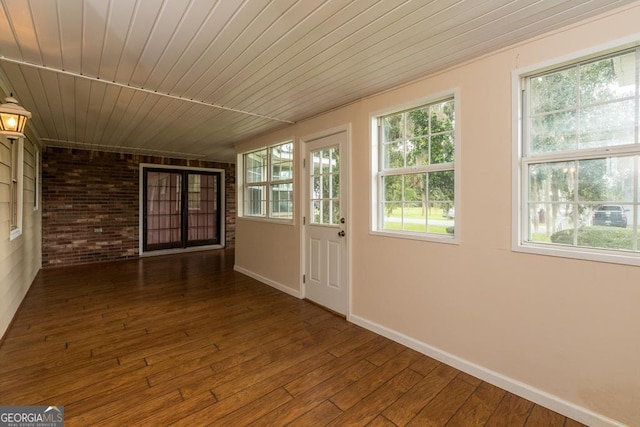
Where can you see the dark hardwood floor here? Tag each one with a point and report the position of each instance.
(185, 340)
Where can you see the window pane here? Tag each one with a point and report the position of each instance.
(441, 186)
(255, 200)
(417, 151)
(316, 207)
(555, 91)
(418, 122)
(441, 214)
(606, 238)
(442, 117)
(392, 216)
(393, 155)
(326, 212)
(608, 79)
(551, 199)
(552, 182)
(256, 166)
(281, 201)
(317, 187)
(442, 148)
(282, 162)
(604, 189)
(334, 155)
(335, 209)
(608, 124)
(605, 180)
(326, 161)
(392, 201)
(335, 186)
(414, 217)
(325, 187)
(414, 188)
(392, 187)
(392, 128)
(554, 132)
(194, 191)
(587, 106)
(316, 159)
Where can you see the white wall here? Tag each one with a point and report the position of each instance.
(562, 332)
(20, 258)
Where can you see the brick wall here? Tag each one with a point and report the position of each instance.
(90, 202)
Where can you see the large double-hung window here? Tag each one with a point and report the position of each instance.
(415, 180)
(268, 182)
(578, 159)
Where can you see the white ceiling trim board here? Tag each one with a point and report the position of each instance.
(117, 149)
(140, 89)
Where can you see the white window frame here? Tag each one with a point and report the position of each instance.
(521, 160)
(377, 171)
(244, 184)
(36, 177)
(16, 187)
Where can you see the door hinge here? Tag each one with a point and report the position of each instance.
(304, 220)
(304, 163)
(304, 278)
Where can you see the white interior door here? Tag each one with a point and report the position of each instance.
(325, 222)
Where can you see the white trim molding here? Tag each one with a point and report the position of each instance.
(514, 386)
(267, 281)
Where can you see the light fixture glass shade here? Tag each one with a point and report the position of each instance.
(13, 118)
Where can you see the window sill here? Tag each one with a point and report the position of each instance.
(268, 220)
(15, 233)
(435, 238)
(583, 254)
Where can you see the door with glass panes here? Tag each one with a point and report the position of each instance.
(325, 222)
(182, 208)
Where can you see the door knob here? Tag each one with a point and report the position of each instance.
(341, 233)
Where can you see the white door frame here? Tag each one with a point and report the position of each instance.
(345, 188)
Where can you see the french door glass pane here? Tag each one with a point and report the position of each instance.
(163, 214)
(203, 208)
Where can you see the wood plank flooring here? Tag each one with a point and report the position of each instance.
(185, 340)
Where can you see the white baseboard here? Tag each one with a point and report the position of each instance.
(267, 281)
(521, 389)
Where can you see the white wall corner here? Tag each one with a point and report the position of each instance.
(267, 281)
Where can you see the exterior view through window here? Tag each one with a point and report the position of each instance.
(268, 182)
(580, 155)
(416, 170)
(325, 192)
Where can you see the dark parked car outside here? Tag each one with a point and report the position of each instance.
(610, 215)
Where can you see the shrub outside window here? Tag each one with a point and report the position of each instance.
(580, 155)
(415, 178)
(268, 182)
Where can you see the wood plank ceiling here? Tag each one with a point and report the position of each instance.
(189, 78)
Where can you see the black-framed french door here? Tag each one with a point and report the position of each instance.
(181, 208)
